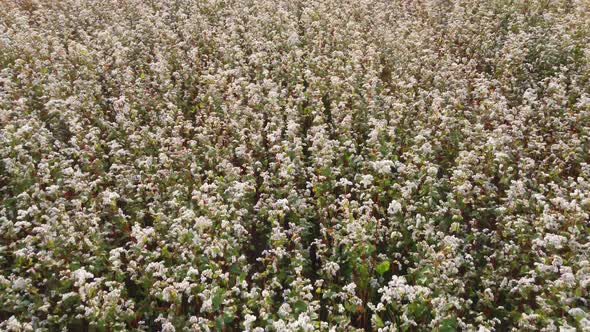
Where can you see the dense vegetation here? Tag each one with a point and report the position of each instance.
(294, 165)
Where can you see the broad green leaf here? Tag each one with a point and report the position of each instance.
(448, 325)
(378, 321)
(382, 267)
(218, 298)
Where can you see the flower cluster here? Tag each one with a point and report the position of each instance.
(295, 165)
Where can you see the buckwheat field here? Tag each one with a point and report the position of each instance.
(294, 165)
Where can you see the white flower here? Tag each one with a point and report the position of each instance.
(554, 240)
(142, 235)
(168, 327)
(109, 197)
(367, 180)
(394, 207)
(383, 166)
(432, 170)
(249, 320)
(68, 295)
(577, 313)
(13, 325)
(344, 182)
(282, 204)
(284, 310)
(81, 275)
(350, 288)
(332, 268)
(19, 284)
(207, 306)
(203, 222)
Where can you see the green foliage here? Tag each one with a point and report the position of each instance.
(382, 267)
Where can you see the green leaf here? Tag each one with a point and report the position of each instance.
(378, 321)
(219, 323)
(382, 267)
(228, 317)
(71, 301)
(299, 306)
(218, 299)
(448, 325)
(418, 309)
(423, 276)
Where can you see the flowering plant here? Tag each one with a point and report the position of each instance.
(291, 165)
